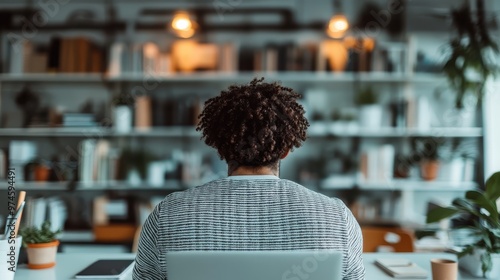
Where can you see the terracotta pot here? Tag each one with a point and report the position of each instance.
(43, 255)
(42, 173)
(429, 169)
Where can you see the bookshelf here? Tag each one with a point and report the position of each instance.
(67, 85)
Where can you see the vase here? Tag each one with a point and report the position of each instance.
(42, 173)
(429, 169)
(122, 118)
(370, 116)
(472, 264)
(42, 255)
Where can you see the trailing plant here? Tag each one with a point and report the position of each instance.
(366, 96)
(34, 235)
(481, 206)
(471, 51)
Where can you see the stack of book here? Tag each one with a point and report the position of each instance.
(78, 120)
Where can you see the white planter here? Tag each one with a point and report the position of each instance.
(156, 173)
(370, 116)
(122, 119)
(472, 264)
(456, 168)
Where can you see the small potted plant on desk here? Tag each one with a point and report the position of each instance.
(482, 257)
(41, 246)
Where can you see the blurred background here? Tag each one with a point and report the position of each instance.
(99, 100)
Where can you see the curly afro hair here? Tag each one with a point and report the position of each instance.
(254, 124)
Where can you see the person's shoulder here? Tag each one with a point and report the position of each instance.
(192, 191)
(333, 201)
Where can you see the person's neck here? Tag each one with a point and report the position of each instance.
(245, 170)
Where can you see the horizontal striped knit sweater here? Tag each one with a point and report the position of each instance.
(248, 213)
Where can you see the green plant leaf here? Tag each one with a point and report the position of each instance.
(493, 186)
(466, 251)
(437, 214)
(483, 201)
(486, 263)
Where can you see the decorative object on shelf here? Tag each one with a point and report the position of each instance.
(427, 150)
(143, 112)
(122, 113)
(370, 113)
(337, 54)
(28, 102)
(470, 61)
(481, 206)
(42, 171)
(41, 246)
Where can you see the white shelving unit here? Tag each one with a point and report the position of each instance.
(96, 186)
(224, 77)
(316, 130)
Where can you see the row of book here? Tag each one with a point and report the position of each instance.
(80, 54)
(377, 163)
(98, 161)
(42, 209)
(64, 55)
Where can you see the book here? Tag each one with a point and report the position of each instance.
(401, 268)
(109, 269)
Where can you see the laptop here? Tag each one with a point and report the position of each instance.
(251, 265)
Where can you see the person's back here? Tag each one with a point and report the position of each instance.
(248, 211)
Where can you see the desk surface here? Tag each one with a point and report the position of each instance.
(68, 264)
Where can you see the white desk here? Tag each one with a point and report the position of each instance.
(68, 264)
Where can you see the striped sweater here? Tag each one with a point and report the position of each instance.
(245, 213)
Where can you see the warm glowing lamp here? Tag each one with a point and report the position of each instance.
(182, 25)
(338, 24)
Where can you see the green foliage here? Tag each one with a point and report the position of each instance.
(123, 100)
(34, 235)
(366, 96)
(472, 50)
(481, 205)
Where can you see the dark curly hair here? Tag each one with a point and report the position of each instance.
(253, 124)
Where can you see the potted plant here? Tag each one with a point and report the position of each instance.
(427, 153)
(41, 246)
(483, 256)
(122, 113)
(370, 114)
(470, 60)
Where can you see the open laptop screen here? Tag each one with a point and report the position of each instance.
(251, 265)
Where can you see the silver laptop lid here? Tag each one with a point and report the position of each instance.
(254, 265)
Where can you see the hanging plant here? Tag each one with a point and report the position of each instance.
(471, 53)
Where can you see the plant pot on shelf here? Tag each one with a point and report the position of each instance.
(370, 116)
(472, 264)
(429, 169)
(42, 255)
(42, 173)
